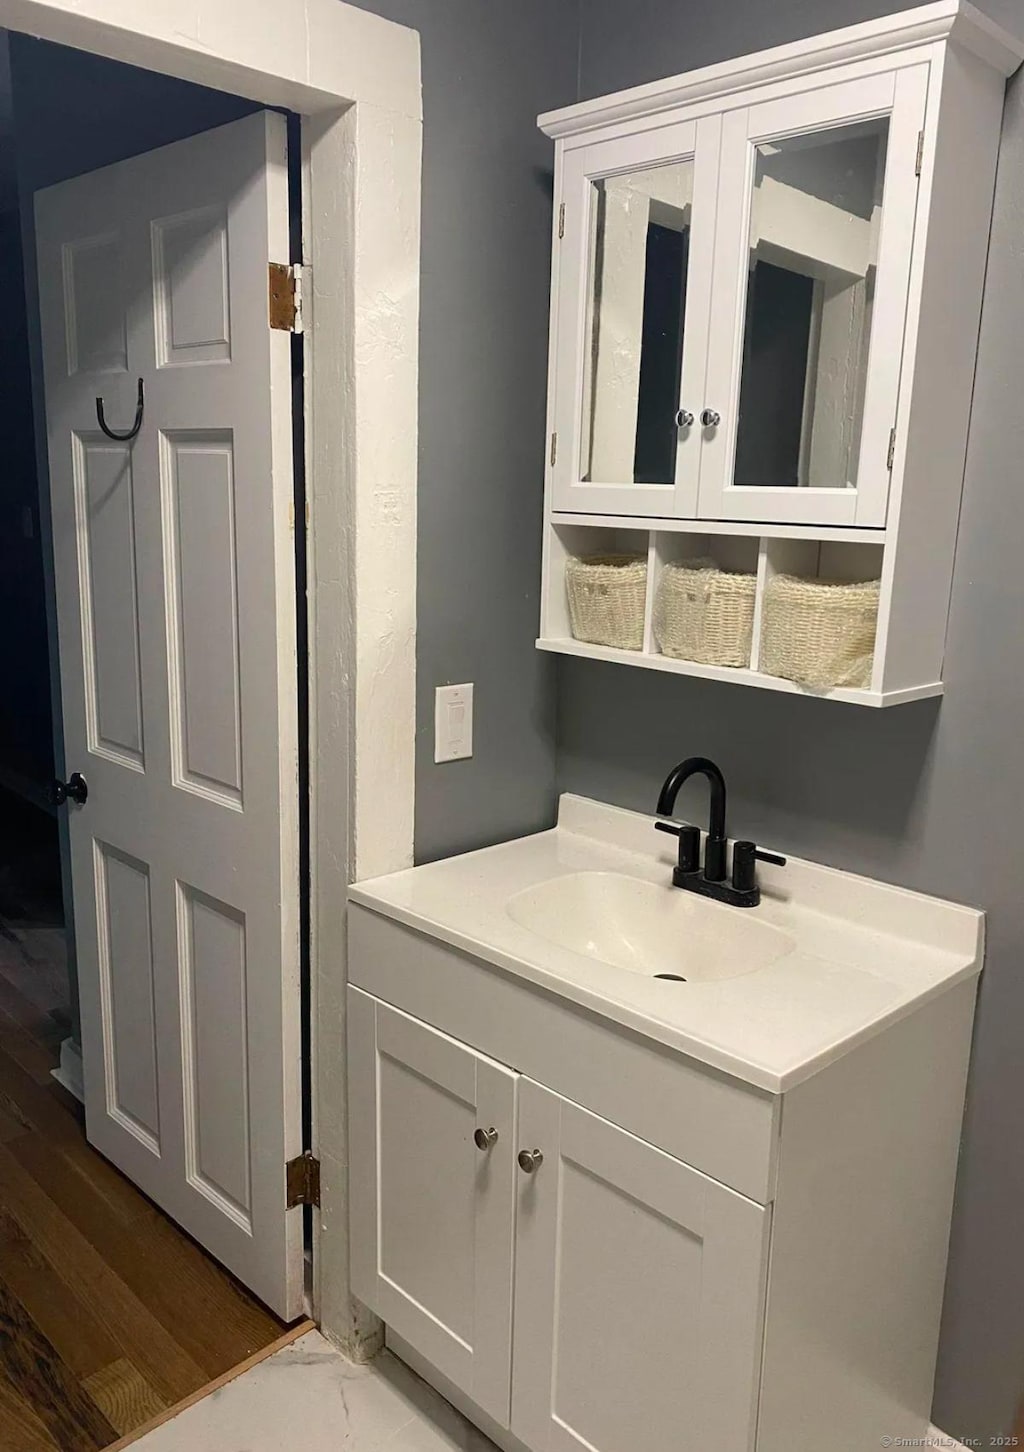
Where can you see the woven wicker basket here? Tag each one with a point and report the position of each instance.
(607, 596)
(820, 633)
(705, 614)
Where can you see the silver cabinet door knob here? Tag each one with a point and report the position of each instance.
(684, 419)
(529, 1160)
(484, 1138)
(710, 418)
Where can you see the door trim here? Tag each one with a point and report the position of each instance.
(355, 80)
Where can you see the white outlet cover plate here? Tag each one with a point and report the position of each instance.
(453, 723)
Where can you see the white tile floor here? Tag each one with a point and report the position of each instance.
(307, 1395)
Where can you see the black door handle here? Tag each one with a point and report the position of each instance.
(75, 789)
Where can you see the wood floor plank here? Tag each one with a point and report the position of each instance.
(168, 1368)
(24, 1049)
(12, 1122)
(116, 1301)
(20, 1428)
(61, 1315)
(21, 1096)
(124, 1395)
(222, 1325)
(24, 1012)
(35, 1370)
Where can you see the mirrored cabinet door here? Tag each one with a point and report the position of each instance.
(817, 199)
(632, 321)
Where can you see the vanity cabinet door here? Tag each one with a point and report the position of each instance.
(816, 209)
(432, 1212)
(639, 1293)
(634, 267)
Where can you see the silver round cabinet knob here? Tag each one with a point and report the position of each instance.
(684, 419)
(484, 1138)
(711, 418)
(530, 1160)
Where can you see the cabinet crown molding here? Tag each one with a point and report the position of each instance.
(945, 20)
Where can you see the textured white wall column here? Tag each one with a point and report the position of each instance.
(365, 172)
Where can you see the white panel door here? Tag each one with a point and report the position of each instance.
(816, 211)
(176, 610)
(432, 1127)
(639, 1293)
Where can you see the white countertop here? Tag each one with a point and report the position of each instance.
(865, 954)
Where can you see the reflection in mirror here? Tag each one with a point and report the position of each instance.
(640, 233)
(815, 220)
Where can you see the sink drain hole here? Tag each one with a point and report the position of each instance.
(672, 977)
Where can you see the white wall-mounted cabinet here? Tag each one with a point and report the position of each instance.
(767, 282)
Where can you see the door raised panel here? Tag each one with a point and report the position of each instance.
(190, 276)
(214, 1019)
(639, 1293)
(432, 1213)
(105, 524)
(202, 611)
(94, 311)
(125, 923)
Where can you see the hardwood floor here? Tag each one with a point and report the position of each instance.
(108, 1312)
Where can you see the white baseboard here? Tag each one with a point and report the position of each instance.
(68, 1072)
(942, 1443)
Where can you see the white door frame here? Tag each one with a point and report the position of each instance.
(355, 80)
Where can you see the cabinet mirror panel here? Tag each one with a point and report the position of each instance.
(640, 239)
(815, 220)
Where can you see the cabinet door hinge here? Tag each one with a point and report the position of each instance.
(302, 1180)
(919, 162)
(892, 448)
(554, 447)
(285, 297)
(561, 220)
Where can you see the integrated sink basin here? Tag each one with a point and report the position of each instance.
(659, 932)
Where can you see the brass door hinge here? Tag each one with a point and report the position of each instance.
(554, 447)
(285, 298)
(920, 154)
(892, 448)
(561, 220)
(302, 1180)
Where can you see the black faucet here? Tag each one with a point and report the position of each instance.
(743, 891)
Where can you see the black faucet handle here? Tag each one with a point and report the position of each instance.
(745, 856)
(689, 843)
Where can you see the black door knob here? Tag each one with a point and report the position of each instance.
(75, 789)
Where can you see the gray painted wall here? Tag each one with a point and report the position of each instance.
(488, 70)
(928, 795)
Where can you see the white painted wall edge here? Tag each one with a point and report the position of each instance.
(355, 79)
(68, 1072)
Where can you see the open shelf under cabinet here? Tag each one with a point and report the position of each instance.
(764, 551)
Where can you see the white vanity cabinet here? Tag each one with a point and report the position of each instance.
(598, 1224)
(435, 1214)
(587, 1240)
(766, 292)
(639, 1292)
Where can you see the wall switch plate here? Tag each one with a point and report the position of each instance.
(453, 723)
